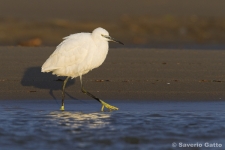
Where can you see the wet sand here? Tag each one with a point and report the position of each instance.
(129, 74)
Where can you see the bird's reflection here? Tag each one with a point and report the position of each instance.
(81, 120)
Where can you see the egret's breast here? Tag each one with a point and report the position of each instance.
(100, 55)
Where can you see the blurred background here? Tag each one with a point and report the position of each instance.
(142, 23)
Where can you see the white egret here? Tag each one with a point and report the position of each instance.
(77, 55)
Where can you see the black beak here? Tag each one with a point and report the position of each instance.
(112, 39)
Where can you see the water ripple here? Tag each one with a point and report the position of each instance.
(130, 129)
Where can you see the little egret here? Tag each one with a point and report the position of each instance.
(76, 55)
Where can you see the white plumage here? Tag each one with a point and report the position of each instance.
(77, 55)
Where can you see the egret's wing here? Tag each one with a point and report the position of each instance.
(73, 50)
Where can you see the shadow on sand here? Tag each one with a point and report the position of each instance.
(34, 77)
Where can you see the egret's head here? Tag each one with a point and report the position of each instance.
(104, 35)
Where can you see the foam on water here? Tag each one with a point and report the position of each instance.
(37, 124)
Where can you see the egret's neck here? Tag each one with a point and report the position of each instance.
(99, 42)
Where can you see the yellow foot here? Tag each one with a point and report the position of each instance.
(110, 107)
(62, 108)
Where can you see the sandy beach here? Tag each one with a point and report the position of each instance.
(128, 74)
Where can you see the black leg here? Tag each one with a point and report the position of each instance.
(104, 104)
(63, 92)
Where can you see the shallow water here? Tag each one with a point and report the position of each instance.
(38, 124)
